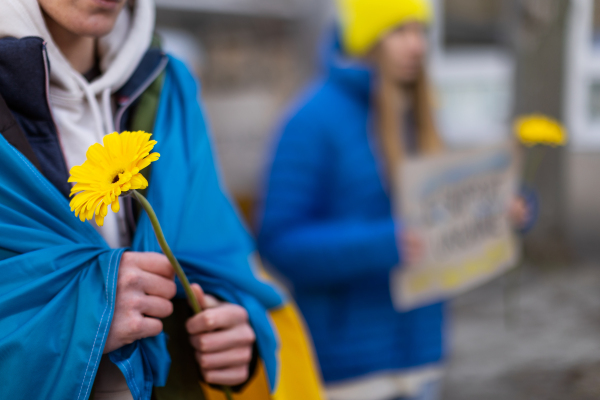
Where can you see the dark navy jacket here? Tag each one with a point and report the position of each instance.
(25, 117)
(327, 226)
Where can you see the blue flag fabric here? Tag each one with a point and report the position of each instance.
(58, 276)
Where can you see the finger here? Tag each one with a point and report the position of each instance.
(241, 335)
(199, 293)
(155, 263)
(225, 359)
(147, 327)
(154, 306)
(158, 285)
(231, 376)
(225, 316)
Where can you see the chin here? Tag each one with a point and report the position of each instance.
(407, 80)
(97, 18)
(96, 26)
(408, 77)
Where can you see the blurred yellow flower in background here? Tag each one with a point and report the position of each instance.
(539, 129)
(109, 171)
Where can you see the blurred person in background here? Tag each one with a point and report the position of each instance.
(326, 221)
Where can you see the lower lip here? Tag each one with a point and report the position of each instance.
(108, 4)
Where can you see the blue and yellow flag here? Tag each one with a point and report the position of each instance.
(58, 276)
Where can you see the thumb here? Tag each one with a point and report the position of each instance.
(199, 293)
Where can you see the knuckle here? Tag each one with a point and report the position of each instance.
(207, 319)
(135, 326)
(130, 278)
(134, 302)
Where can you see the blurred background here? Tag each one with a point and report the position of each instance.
(491, 60)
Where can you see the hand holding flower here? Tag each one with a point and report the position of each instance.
(145, 287)
(538, 132)
(112, 170)
(519, 212)
(223, 340)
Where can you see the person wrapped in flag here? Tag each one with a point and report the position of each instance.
(84, 307)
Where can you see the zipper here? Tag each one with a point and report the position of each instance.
(123, 107)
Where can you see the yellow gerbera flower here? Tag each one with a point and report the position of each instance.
(539, 129)
(110, 171)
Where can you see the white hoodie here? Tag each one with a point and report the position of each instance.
(83, 110)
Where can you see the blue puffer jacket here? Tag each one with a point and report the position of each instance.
(326, 225)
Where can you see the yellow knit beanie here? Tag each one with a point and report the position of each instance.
(364, 22)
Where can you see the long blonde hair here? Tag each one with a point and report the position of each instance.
(390, 127)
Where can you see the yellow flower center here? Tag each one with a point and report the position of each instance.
(117, 178)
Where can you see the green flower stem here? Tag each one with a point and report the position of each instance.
(176, 266)
(167, 251)
(534, 162)
(513, 278)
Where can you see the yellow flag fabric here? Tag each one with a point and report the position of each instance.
(299, 376)
(364, 22)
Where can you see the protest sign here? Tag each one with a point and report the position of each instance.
(457, 203)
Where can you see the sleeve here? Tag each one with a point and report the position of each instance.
(295, 234)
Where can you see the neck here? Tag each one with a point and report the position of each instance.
(79, 50)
